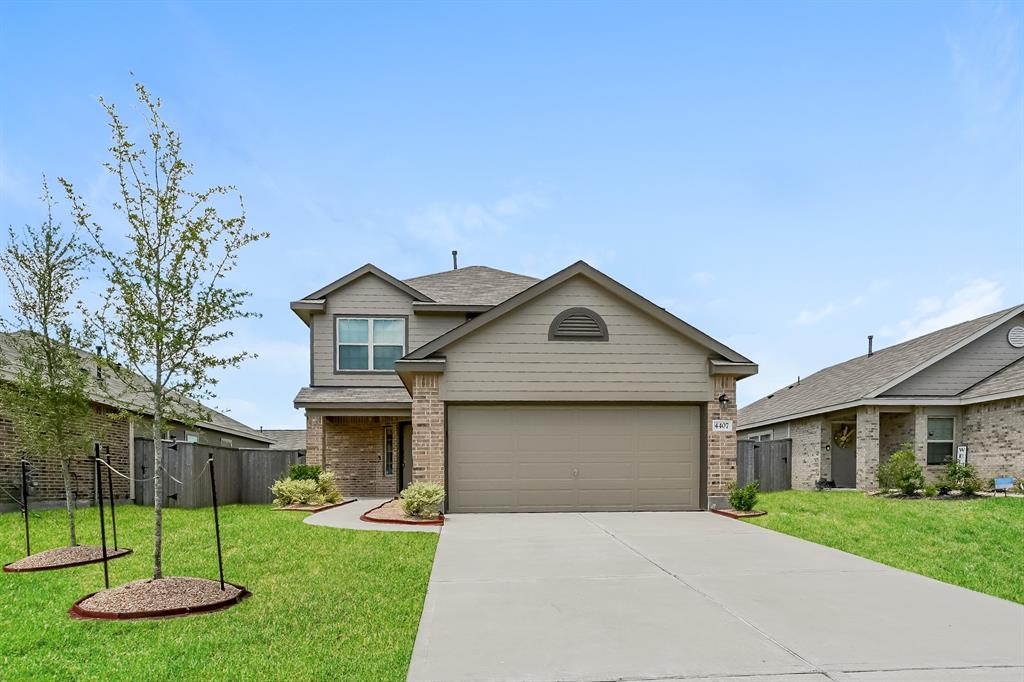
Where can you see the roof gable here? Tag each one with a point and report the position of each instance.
(583, 269)
(368, 269)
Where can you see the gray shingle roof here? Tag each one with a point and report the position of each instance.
(472, 285)
(1010, 378)
(857, 378)
(286, 439)
(313, 396)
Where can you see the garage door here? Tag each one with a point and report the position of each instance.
(504, 458)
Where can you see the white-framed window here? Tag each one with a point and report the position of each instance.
(226, 443)
(759, 436)
(191, 437)
(940, 439)
(389, 450)
(370, 344)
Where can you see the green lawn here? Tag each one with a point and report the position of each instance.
(977, 544)
(326, 604)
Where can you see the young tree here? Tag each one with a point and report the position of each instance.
(165, 306)
(45, 394)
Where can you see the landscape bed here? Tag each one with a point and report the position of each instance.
(355, 597)
(974, 543)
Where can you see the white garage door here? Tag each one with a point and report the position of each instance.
(507, 458)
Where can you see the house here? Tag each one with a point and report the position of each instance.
(114, 435)
(567, 393)
(286, 439)
(959, 387)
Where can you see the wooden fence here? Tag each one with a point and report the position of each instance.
(243, 475)
(768, 462)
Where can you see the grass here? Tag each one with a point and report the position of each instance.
(326, 604)
(976, 543)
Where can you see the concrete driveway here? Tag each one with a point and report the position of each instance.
(661, 596)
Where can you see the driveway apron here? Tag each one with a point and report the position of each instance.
(662, 596)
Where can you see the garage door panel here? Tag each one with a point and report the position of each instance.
(573, 457)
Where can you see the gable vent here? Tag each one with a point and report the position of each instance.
(578, 324)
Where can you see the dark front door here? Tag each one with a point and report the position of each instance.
(844, 460)
(406, 456)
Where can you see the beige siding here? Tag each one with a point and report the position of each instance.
(512, 358)
(966, 367)
(370, 295)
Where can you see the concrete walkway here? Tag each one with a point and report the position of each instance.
(347, 516)
(694, 596)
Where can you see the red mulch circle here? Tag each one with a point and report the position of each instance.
(88, 554)
(368, 516)
(81, 612)
(314, 509)
(733, 514)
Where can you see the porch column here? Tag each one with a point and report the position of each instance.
(721, 444)
(920, 417)
(867, 447)
(427, 429)
(314, 439)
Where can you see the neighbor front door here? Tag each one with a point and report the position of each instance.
(844, 462)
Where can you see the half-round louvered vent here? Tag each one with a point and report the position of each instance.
(578, 324)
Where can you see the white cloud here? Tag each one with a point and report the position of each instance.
(455, 222)
(809, 317)
(976, 298)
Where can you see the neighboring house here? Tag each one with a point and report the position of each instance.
(518, 394)
(117, 435)
(286, 439)
(959, 386)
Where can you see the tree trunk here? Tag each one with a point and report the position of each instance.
(158, 496)
(65, 470)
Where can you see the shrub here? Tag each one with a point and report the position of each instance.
(930, 491)
(743, 497)
(327, 488)
(304, 472)
(901, 472)
(962, 477)
(422, 499)
(322, 490)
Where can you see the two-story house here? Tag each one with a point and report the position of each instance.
(562, 394)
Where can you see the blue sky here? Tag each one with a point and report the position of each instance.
(787, 177)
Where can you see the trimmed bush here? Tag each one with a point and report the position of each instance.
(304, 472)
(422, 500)
(743, 497)
(930, 491)
(322, 490)
(901, 472)
(962, 477)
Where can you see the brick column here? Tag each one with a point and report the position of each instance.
(314, 439)
(427, 429)
(721, 445)
(867, 447)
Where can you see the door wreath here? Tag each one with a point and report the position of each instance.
(844, 436)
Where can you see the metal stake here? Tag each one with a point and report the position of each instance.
(103, 526)
(110, 487)
(24, 503)
(216, 522)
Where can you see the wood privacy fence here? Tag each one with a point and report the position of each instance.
(766, 461)
(243, 475)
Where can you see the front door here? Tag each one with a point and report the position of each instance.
(844, 456)
(406, 456)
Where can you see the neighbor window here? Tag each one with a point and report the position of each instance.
(940, 439)
(373, 343)
(191, 437)
(389, 451)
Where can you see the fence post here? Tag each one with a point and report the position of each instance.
(110, 487)
(216, 522)
(24, 503)
(103, 527)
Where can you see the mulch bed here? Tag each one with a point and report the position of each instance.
(733, 514)
(313, 509)
(392, 512)
(163, 598)
(63, 557)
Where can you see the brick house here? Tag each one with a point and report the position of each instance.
(962, 386)
(46, 486)
(518, 394)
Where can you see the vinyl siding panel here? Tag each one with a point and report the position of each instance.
(966, 367)
(370, 295)
(512, 358)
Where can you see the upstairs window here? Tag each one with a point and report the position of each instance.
(368, 344)
(578, 324)
(940, 439)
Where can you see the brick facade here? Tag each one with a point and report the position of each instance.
(994, 435)
(895, 429)
(427, 429)
(45, 478)
(721, 446)
(809, 437)
(867, 447)
(353, 450)
(314, 439)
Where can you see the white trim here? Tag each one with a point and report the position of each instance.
(928, 440)
(757, 435)
(131, 460)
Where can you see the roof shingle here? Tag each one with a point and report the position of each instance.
(472, 285)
